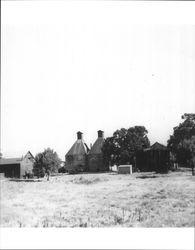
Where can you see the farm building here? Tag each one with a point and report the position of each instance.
(156, 158)
(17, 167)
(76, 158)
(95, 157)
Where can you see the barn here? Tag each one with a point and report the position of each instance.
(17, 167)
(76, 158)
(95, 157)
(156, 158)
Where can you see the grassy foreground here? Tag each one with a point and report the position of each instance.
(100, 200)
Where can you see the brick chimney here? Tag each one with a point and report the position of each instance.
(79, 135)
(100, 134)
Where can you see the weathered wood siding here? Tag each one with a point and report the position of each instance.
(153, 160)
(26, 165)
(10, 170)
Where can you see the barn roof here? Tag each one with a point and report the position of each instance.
(157, 145)
(29, 155)
(8, 161)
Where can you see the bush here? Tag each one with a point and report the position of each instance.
(45, 161)
(62, 170)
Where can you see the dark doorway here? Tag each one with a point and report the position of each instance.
(10, 170)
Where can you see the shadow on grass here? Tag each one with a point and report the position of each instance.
(26, 180)
(147, 176)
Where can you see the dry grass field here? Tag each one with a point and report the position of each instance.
(100, 200)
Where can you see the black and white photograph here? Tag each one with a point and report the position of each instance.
(97, 116)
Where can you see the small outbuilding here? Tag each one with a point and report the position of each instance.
(125, 169)
(76, 158)
(17, 167)
(95, 156)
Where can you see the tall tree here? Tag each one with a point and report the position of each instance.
(122, 146)
(46, 162)
(182, 142)
(38, 167)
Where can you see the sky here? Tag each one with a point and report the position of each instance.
(83, 66)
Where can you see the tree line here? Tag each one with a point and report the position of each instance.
(182, 143)
(122, 146)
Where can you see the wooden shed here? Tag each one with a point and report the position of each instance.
(156, 158)
(76, 158)
(17, 167)
(95, 157)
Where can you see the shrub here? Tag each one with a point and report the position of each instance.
(62, 170)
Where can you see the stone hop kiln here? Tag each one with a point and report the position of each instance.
(95, 157)
(76, 158)
(79, 158)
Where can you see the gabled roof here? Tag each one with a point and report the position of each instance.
(97, 146)
(157, 145)
(29, 155)
(7, 161)
(78, 148)
(10, 161)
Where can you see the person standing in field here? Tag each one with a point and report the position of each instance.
(47, 172)
(193, 164)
